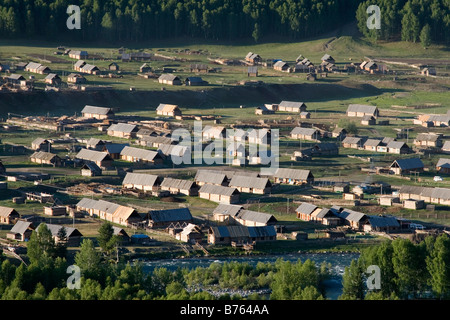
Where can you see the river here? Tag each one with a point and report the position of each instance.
(333, 286)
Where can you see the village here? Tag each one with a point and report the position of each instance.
(342, 178)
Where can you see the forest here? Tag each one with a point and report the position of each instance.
(408, 271)
(226, 20)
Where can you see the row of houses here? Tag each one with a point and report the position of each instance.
(83, 67)
(386, 145)
(433, 120)
(336, 216)
(173, 80)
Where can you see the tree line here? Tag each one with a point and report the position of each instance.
(130, 20)
(407, 271)
(426, 21)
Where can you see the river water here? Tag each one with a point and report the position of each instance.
(333, 286)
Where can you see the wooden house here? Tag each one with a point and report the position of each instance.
(101, 159)
(305, 134)
(428, 72)
(55, 210)
(190, 234)
(427, 194)
(325, 216)
(198, 68)
(291, 106)
(122, 235)
(43, 157)
(253, 58)
(251, 184)
(72, 238)
(90, 169)
(101, 113)
(170, 110)
(122, 130)
(164, 218)
(443, 166)
(220, 194)
(293, 176)
(78, 65)
(356, 220)
(213, 132)
(360, 110)
(398, 147)
(328, 58)
(41, 144)
(226, 212)
(180, 186)
(76, 78)
(15, 78)
(339, 133)
(95, 144)
(305, 210)
(368, 120)
(353, 142)
(263, 110)
(428, 140)
(145, 68)
(114, 149)
(21, 231)
(305, 115)
(169, 79)
(446, 147)
(113, 66)
(405, 166)
(195, 81)
(8, 215)
(240, 235)
(141, 181)
(372, 144)
(252, 71)
(78, 54)
(413, 204)
(281, 66)
(141, 155)
(208, 177)
(254, 219)
(381, 224)
(35, 67)
(53, 79)
(89, 69)
(325, 149)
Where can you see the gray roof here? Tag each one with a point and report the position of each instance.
(351, 215)
(299, 174)
(139, 153)
(304, 131)
(171, 215)
(79, 64)
(168, 77)
(428, 137)
(16, 76)
(123, 127)
(229, 209)
(141, 179)
(255, 216)
(352, 140)
(210, 177)
(291, 104)
(6, 211)
(96, 110)
(21, 226)
(172, 150)
(323, 213)
(249, 182)
(158, 139)
(89, 165)
(280, 64)
(94, 142)
(362, 108)
(39, 141)
(178, 183)
(54, 229)
(396, 144)
(33, 65)
(446, 145)
(327, 57)
(407, 164)
(443, 163)
(306, 208)
(194, 79)
(92, 155)
(41, 155)
(89, 67)
(86, 203)
(51, 76)
(372, 143)
(215, 189)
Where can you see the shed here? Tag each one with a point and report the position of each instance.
(21, 231)
(113, 66)
(195, 81)
(170, 110)
(90, 169)
(45, 158)
(97, 112)
(404, 166)
(443, 165)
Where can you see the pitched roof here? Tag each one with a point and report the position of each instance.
(167, 107)
(21, 226)
(352, 140)
(79, 64)
(54, 229)
(172, 150)
(170, 215)
(407, 164)
(362, 108)
(255, 216)
(115, 147)
(372, 143)
(94, 142)
(92, 166)
(41, 155)
(5, 211)
(249, 182)
(229, 209)
(443, 163)
(377, 221)
(428, 137)
(123, 127)
(220, 190)
(243, 231)
(96, 110)
(396, 144)
(168, 77)
(178, 184)
(210, 177)
(304, 131)
(351, 215)
(148, 155)
(51, 76)
(141, 179)
(39, 141)
(291, 104)
(327, 146)
(92, 155)
(446, 145)
(285, 173)
(306, 208)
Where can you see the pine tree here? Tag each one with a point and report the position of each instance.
(425, 36)
(353, 282)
